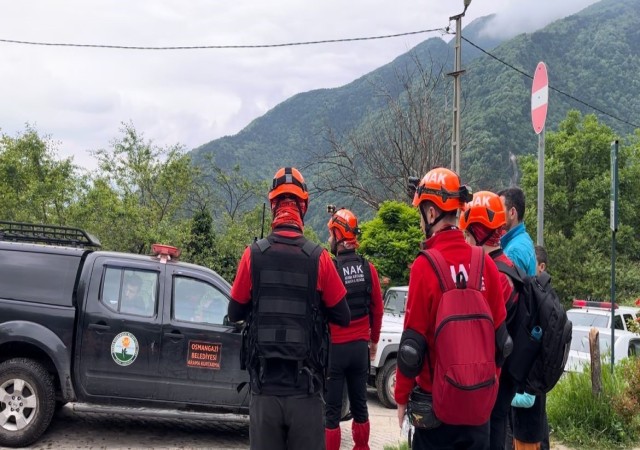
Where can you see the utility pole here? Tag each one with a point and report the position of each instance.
(457, 91)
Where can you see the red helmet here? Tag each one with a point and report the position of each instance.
(442, 187)
(289, 180)
(486, 208)
(344, 225)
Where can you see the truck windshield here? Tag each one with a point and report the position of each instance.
(395, 301)
(588, 320)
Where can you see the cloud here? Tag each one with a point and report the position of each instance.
(80, 96)
(525, 16)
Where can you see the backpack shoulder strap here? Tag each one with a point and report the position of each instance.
(263, 244)
(309, 247)
(441, 268)
(477, 268)
(517, 278)
(514, 272)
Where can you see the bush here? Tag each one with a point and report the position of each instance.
(606, 421)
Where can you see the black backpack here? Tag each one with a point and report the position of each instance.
(542, 332)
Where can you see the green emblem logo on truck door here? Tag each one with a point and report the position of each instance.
(124, 348)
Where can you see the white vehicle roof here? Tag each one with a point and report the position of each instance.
(598, 314)
(399, 288)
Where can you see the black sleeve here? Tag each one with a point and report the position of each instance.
(238, 311)
(340, 313)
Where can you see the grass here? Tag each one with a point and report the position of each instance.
(402, 446)
(580, 420)
(607, 421)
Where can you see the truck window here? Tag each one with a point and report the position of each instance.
(581, 317)
(617, 323)
(199, 302)
(395, 301)
(130, 291)
(56, 275)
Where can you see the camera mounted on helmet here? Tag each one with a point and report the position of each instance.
(465, 194)
(412, 185)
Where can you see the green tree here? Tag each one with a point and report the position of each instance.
(35, 186)
(146, 187)
(577, 189)
(201, 244)
(392, 239)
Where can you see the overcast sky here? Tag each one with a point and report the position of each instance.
(80, 96)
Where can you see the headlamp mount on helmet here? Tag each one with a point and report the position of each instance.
(412, 186)
(464, 194)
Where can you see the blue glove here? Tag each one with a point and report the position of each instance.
(523, 400)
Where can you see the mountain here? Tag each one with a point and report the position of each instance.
(593, 55)
(297, 126)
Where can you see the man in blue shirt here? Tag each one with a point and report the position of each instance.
(518, 247)
(517, 243)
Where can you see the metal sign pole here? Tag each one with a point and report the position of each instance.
(457, 72)
(614, 228)
(540, 225)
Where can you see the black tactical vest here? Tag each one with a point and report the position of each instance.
(356, 277)
(286, 328)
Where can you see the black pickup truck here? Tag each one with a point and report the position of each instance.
(82, 325)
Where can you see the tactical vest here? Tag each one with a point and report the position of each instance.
(286, 323)
(356, 277)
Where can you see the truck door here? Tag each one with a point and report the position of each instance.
(200, 355)
(120, 329)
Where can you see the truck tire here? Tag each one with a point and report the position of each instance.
(386, 383)
(27, 401)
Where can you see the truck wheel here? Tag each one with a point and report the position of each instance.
(27, 401)
(386, 383)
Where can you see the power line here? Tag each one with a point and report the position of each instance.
(522, 72)
(217, 47)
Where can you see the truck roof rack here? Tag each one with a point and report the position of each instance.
(46, 234)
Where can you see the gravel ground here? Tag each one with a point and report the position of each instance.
(75, 428)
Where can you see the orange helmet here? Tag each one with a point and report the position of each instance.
(289, 180)
(442, 187)
(486, 208)
(345, 223)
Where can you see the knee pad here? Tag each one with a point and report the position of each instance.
(412, 353)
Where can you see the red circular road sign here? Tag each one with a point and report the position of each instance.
(539, 97)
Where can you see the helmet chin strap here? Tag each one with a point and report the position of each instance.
(334, 247)
(428, 227)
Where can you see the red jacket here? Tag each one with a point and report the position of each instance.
(424, 298)
(365, 328)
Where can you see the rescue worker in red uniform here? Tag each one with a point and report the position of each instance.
(483, 222)
(286, 289)
(352, 347)
(438, 197)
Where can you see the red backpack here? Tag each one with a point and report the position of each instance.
(465, 384)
